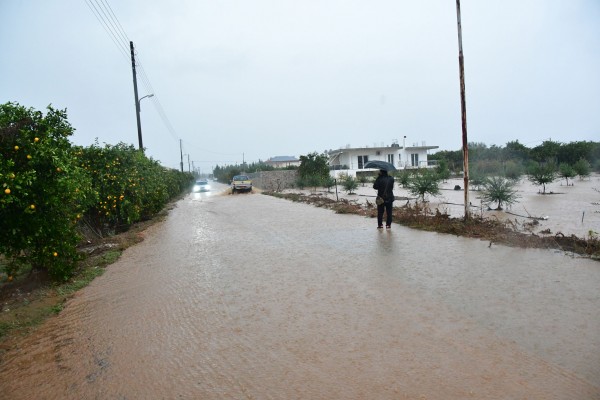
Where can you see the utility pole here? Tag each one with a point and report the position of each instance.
(137, 102)
(463, 108)
(189, 168)
(181, 155)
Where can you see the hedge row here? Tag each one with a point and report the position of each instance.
(49, 188)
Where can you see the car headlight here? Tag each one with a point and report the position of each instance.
(196, 188)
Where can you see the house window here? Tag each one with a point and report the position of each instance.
(414, 158)
(362, 160)
(391, 159)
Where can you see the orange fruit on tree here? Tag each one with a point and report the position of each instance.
(7, 191)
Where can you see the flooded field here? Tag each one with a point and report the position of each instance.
(570, 210)
(252, 297)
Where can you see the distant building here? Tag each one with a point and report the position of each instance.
(283, 161)
(352, 160)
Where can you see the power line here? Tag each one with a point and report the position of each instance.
(120, 27)
(113, 27)
(104, 24)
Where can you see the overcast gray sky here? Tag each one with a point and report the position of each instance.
(248, 80)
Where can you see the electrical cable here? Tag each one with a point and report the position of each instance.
(106, 28)
(113, 27)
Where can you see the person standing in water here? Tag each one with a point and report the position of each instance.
(384, 184)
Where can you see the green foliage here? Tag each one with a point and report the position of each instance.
(313, 164)
(129, 186)
(547, 151)
(582, 168)
(518, 153)
(403, 176)
(362, 179)
(329, 182)
(571, 153)
(425, 181)
(513, 170)
(43, 190)
(499, 190)
(301, 183)
(566, 171)
(541, 173)
(313, 181)
(454, 159)
(476, 176)
(47, 186)
(442, 170)
(350, 184)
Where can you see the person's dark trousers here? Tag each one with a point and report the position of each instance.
(388, 214)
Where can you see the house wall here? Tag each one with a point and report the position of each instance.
(402, 158)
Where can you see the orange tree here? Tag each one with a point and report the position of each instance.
(43, 190)
(129, 186)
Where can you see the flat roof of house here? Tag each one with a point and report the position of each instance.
(394, 148)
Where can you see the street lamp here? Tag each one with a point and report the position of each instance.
(139, 124)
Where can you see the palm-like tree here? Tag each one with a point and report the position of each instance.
(499, 190)
(425, 181)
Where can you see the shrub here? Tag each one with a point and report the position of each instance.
(403, 177)
(541, 174)
(442, 170)
(566, 171)
(350, 184)
(129, 186)
(425, 181)
(329, 182)
(513, 170)
(582, 168)
(44, 191)
(499, 190)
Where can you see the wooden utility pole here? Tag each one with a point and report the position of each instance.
(463, 108)
(181, 155)
(137, 102)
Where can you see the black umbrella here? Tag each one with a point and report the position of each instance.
(380, 165)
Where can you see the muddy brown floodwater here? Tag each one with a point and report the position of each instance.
(253, 297)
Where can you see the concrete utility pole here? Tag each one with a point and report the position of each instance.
(137, 102)
(463, 108)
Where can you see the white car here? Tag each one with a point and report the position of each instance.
(201, 186)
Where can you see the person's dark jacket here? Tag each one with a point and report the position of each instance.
(384, 184)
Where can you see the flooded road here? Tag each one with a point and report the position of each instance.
(253, 297)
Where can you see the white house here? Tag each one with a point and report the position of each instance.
(352, 160)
